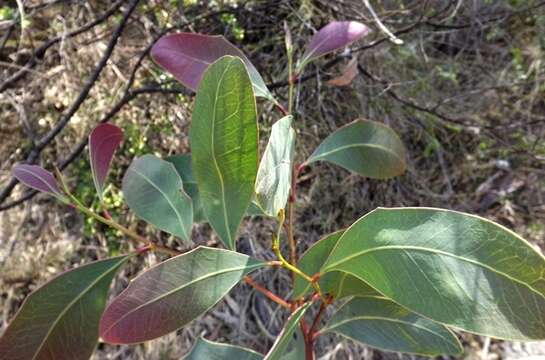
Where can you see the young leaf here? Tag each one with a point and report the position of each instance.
(365, 147)
(347, 76)
(187, 55)
(383, 324)
(224, 141)
(59, 320)
(458, 269)
(103, 142)
(335, 35)
(182, 163)
(274, 175)
(209, 350)
(38, 178)
(280, 346)
(172, 293)
(339, 284)
(153, 190)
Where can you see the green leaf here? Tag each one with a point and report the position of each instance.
(366, 147)
(182, 163)
(339, 284)
(209, 350)
(224, 142)
(283, 340)
(172, 293)
(154, 191)
(454, 268)
(297, 351)
(274, 175)
(59, 320)
(383, 324)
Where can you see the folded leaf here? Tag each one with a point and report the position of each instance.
(187, 55)
(59, 320)
(38, 178)
(154, 191)
(383, 324)
(334, 36)
(454, 268)
(209, 350)
(172, 293)
(224, 142)
(182, 163)
(339, 284)
(365, 147)
(285, 337)
(274, 175)
(103, 142)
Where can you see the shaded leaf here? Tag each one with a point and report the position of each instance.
(366, 147)
(38, 178)
(182, 163)
(334, 36)
(187, 56)
(283, 340)
(224, 142)
(153, 190)
(274, 175)
(454, 268)
(209, 350)
(339, 284)
(297, 351)
(59, 320)
(172, 293)
(103, 141)
(383, 324)
(348, 74)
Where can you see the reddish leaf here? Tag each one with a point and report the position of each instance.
(331, 37)
(59, 320)
(187, 56)
(172, 293)
(37, 178)
(103, 141)
(348, 75)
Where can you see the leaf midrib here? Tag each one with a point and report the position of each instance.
(430, 250)
(76, 299)
(179, 288)
(94, 167)
(34, 175)
(344, 147)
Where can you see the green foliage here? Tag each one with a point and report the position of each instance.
(205, 349)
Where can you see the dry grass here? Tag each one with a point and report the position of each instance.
(475, 144)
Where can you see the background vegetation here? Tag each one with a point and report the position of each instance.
(465, 92)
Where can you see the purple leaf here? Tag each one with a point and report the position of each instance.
(331, 37)
(37, 178)
(103, 141)
(187, 56)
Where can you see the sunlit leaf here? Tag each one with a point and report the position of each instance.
(224, 142)
(274, 174)
(172, 293)
(337, 283)
(209, 350)
(182, 163)
(154, 191)
(334, 36)
(103, 141)
(38, 178)
(285, 337)
(365, 147)
(383, 324)
(187, 55)
(60, 319)
(454, 268)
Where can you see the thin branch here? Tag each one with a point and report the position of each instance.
(269, 294)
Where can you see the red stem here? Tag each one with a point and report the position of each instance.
(272, 296)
